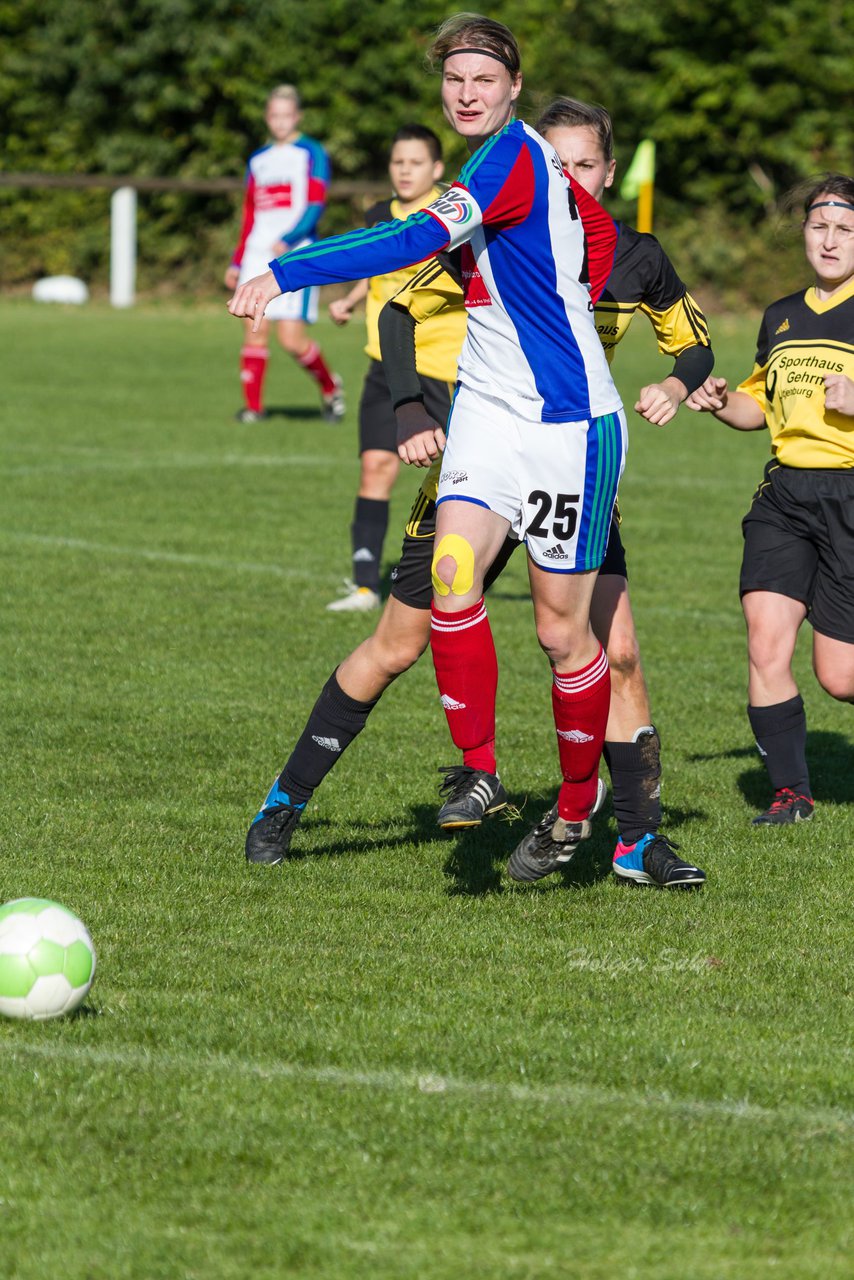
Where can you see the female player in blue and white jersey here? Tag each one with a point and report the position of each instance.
(285, 195)
(537, 434)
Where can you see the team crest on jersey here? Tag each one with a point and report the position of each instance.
(454, 206)
(784, 327)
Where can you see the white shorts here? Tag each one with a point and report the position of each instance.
(556, 482)
(301, 305)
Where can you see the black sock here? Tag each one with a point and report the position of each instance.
(335, 721)
(367, 534)
(781, 736)
(635, 769)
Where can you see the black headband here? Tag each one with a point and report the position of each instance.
(827, 204)
(514, 71)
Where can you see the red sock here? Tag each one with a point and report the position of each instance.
(467, 676)
(314, 363)
(253, 366)
(580, 701)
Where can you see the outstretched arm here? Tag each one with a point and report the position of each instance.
(682, 332)
(355, 255)
(735, 408)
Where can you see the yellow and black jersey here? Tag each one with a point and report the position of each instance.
(437, 345)
(802, 339)
(643, 279)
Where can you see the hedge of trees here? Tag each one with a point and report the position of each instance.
(742, 99)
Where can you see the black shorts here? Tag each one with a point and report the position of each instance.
(412, 576)
(377, 423)
(799, 542)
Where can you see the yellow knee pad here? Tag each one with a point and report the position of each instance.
(455, 546)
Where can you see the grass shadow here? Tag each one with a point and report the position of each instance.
(294, 412)
(831, 777)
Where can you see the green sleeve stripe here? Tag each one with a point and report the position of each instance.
(471, 166)
(355, 239)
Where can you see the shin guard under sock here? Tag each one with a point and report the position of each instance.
(635, 769)
(580, 701)
(335, 720)
(367, 533)
(467, 676)
(781, 736)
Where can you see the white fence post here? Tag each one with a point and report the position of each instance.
(123, 247)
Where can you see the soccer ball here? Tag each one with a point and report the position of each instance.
(47, 961)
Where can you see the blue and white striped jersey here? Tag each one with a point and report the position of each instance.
(531, 340)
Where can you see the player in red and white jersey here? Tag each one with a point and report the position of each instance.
(285, 195)
(537, 433)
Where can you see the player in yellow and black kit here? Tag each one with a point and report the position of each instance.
(415, 166)
(799, 532)
(642, 278)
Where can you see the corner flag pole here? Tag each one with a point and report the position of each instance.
(639, 182)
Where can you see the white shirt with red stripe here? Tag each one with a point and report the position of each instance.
(285, 196)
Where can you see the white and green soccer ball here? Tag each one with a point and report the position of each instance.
(47, 961)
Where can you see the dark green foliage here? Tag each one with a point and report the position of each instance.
(741, 101)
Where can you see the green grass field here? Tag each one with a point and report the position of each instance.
(383, 1060)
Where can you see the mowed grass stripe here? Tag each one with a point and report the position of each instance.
(176, 462)
(577, 1095)
(148, 553)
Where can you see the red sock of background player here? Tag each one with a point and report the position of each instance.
(580, 701)
(313, 362)
(253, 366)
(467, 676)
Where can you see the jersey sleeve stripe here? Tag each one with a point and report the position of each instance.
(359, 254)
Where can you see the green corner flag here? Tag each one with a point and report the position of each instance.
(641, 171)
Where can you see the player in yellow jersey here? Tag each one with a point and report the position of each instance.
(642, 279)
(799, 533)
(415, 167)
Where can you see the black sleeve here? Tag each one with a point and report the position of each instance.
(397, 344)
(693, 366)
(663, 286)
(452, 261)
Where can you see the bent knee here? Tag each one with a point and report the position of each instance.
(840, 685)
(624, 657)
(396, 661)
(452, 570)
(396, 653)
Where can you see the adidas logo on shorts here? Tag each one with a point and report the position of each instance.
(451, 704)
(331, 744)
(575, 735)
(555, 553)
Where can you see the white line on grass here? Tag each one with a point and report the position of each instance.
(167, 462)
(404, 1081)
(146, 553)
